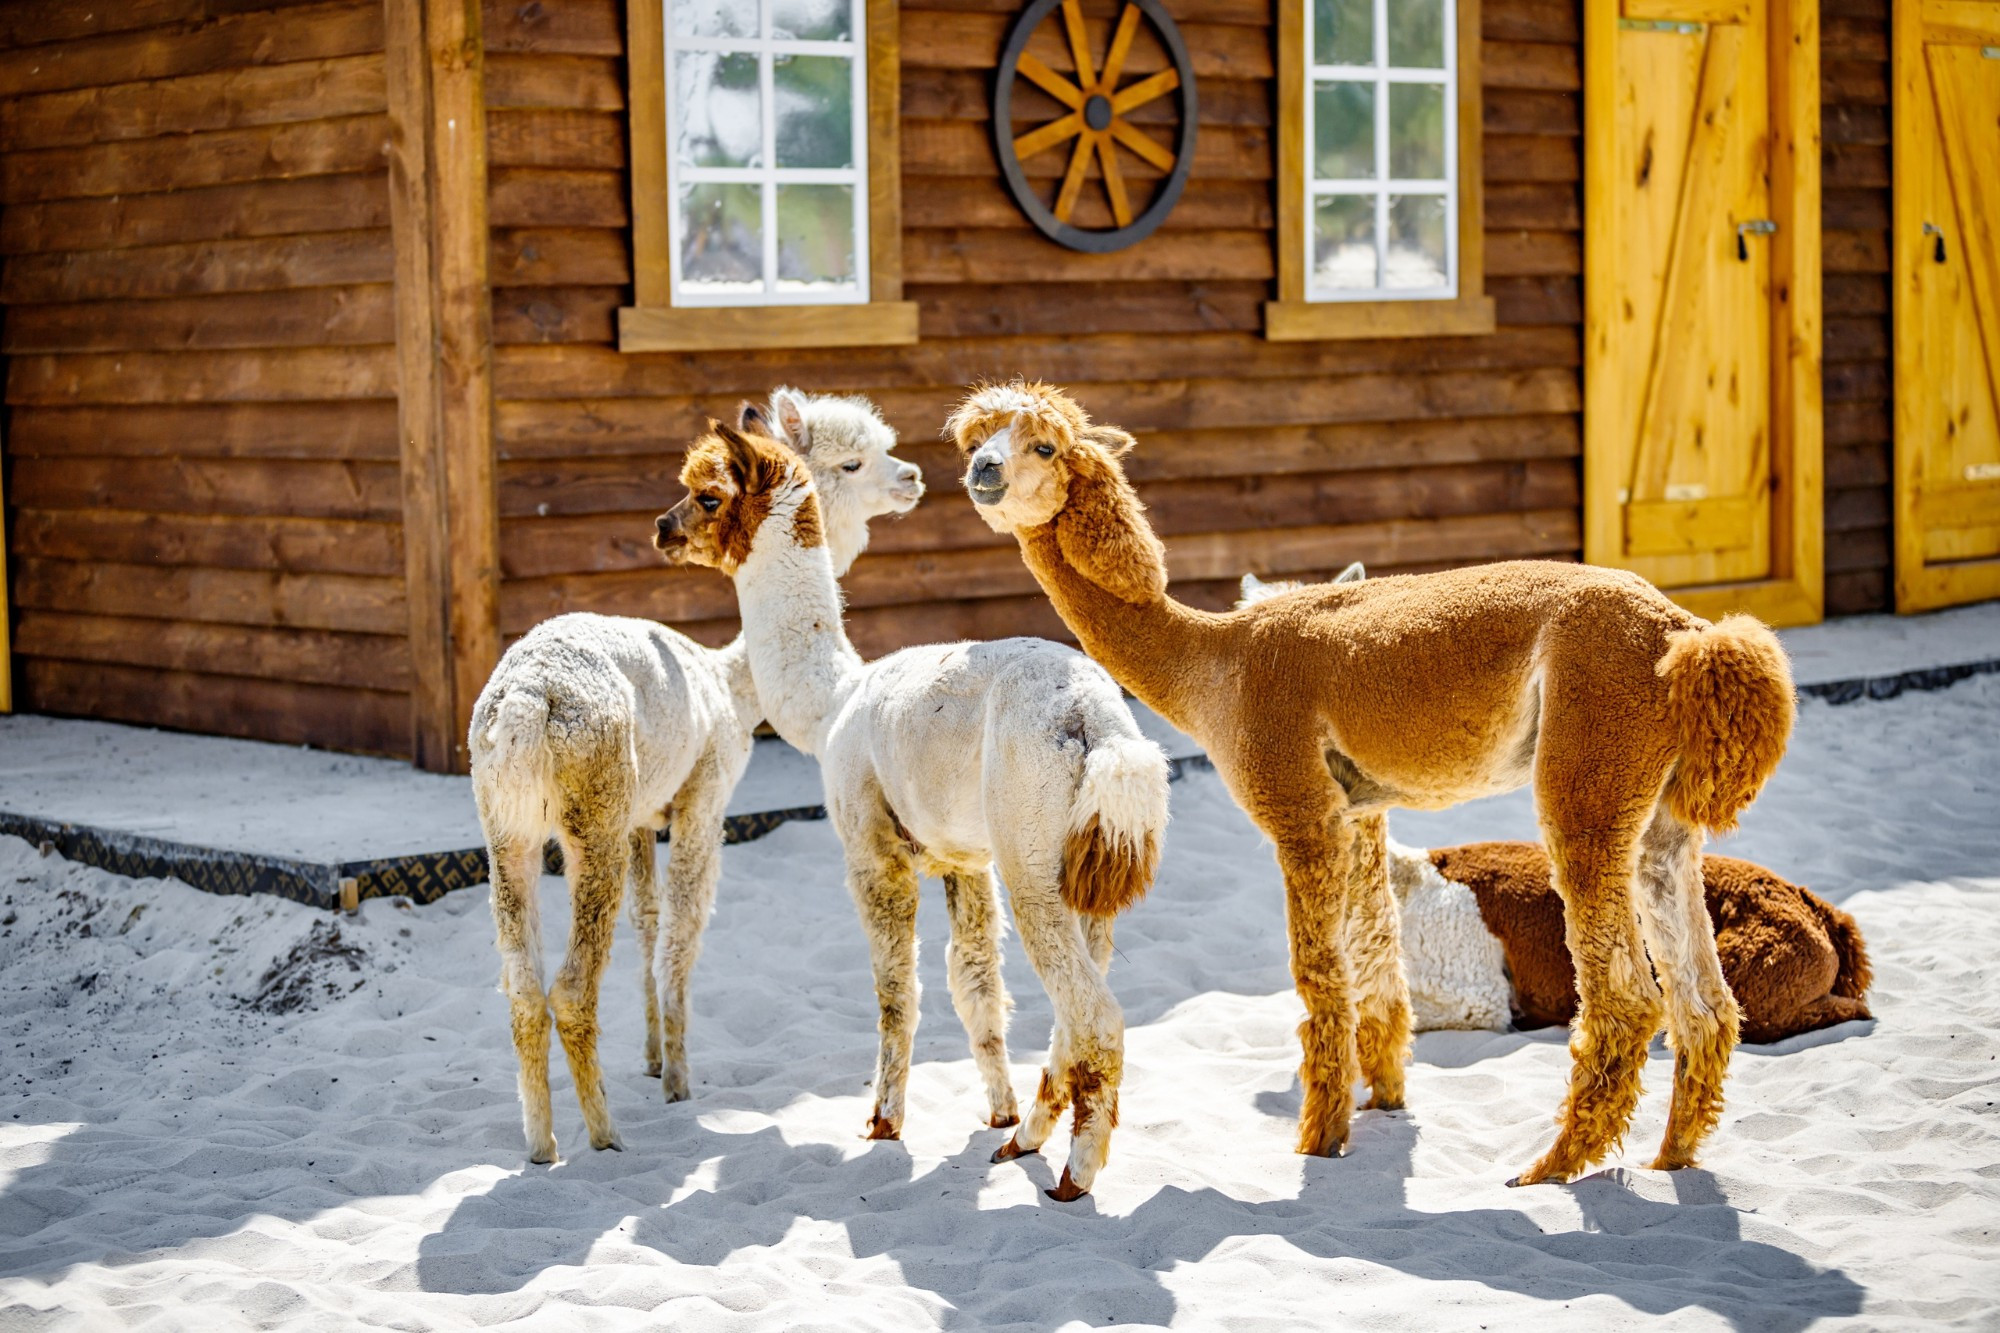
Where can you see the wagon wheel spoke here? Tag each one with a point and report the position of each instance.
(1121, 46)
(1079, 44)
(1048, 136)
(1073, 179)
(1144, 146)
(1114, 181)
(1050, 82)
(1144, 91)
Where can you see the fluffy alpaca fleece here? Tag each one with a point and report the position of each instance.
(605, 729)
(1642, 727)
(944, 760)
(1456, 969)
(1794, 961)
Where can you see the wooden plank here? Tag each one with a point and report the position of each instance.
(1857, 340)
(884, 22)
(558, 257)
(1864, 125)
(30, 22)
(1537, 301)
(935, 40)
(1524, 111)
(1856, 294)
(556, 314)
(1539, 66)
(963, 148)
(223, 212)
(1686, 11)
(556, 138)
(1855, 81)
(141, 166)
(319, 657)
(1855, 210)
(315, 32)
(275, 374)
(224, 596)
(317, 316)
(1248, 12)
(444, 348)
(210, 486)
(369, 721)
(663, 329)
(227, 100)
(1856, 252)
(964, 94)
(1854, 39)
(1533, 21)
(1688, 527)
(225, 541)
(966, 310)
(6, 602)
(1856, 166)
(358, 429)
(540, 197)
(652, 224)
(575, 27)
(1511, 254)
(1532, 157)
(992, 255)
(578, 83)
(264, 263)
(1533, 206)
(966, 201)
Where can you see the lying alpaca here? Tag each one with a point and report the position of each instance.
(1793, 960)
(605, 729)
(1642, 727)
(941, 760)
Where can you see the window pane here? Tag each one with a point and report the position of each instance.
(1416, 241)
(1344, 32)
(812, 20)
(722, 242)
(717, 122)
(713, 18)
(1344, 131)
(1344, 241)
(1416, 33)
(816, 236)
(813, 99)
(1416, 131)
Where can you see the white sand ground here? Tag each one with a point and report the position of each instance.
(172, 1158)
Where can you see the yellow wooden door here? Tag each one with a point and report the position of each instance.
(1701, 359)
(1947, 272)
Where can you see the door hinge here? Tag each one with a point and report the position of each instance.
(1754, 227)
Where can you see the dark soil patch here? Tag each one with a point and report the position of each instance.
(315, 969)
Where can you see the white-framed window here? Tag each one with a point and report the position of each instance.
(1381, 159)
(767, 135)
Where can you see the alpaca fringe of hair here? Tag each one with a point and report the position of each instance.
(1730, 695)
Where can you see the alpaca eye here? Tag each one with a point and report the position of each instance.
(851, 465)
(1046, 450)
(709, 504)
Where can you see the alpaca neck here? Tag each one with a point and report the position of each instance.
(846, 536)
(1166, 653)
(735, 659)
(800, 659)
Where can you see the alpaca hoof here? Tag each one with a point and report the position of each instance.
(652, 1069)
(674, 1085)
(1379, 1102)
(1003, 1120)
(609, 1141)
(878, 1128)
(1668, 1162)
(1332, 1145)
(1009, 1150)
(542, 1156)
(1066, 1190)
(1538, 1175)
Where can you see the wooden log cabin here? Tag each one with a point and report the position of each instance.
(346, 340)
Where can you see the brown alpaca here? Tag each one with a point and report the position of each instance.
(1640, 725)
(1794, 961)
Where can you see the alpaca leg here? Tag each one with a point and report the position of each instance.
(973, 966)
(598, 862)
(694, 865)
(885, 892)
(1618, 1008)
(646, 916)
(1702, 1015)
(1315, 870)
(1087, 1049)
(1097, 938)
(516, 864)
(1375, 954)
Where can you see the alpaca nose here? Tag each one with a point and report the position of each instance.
(986, 473)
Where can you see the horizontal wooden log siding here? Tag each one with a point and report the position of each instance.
(1288, 458)
(204, 503)
(1854, 127)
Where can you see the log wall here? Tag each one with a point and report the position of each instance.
(1286, 458)
(202, 479)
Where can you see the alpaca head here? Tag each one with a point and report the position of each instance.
(1253, 590)
(1033, 460)
(737, 484)
(845, 445)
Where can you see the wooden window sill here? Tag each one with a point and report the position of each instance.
(736, 327)
(1308, 321)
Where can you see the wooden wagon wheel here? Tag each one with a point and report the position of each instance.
(1096, 120)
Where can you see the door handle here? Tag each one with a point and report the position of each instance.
(1754, 227)
(1937, 254)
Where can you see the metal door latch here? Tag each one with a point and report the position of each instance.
(1937, 254)
(1755, 227)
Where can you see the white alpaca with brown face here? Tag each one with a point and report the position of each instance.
(602, 730)
(945, 760)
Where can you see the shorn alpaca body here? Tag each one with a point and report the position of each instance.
(944, 760)
(604, 729)
(1640, 725)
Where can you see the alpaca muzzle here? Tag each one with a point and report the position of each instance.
(669, 538)
(985, 480)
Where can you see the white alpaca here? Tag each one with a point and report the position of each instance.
(942, 760)
(604, 729)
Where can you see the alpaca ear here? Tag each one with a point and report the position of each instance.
(744, 464)
(1110, 439)
(750, 417)
(1354, 573)
(790, 405)
(1102, 529)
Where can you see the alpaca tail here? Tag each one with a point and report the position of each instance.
(1854, 977)
(512, 772)
(1115, 825)
(1729, 693)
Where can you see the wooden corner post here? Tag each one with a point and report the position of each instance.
(444, 353)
